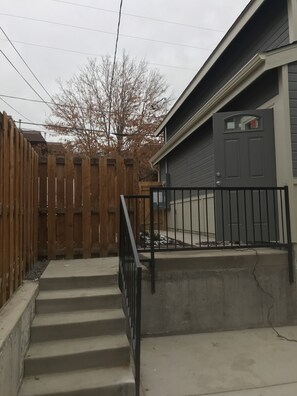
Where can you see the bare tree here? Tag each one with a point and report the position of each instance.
(111, 114)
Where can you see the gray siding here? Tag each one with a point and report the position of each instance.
(293, 112)
(268, 29)
(192, 163)
(263, 89)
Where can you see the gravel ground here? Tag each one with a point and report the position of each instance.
(37, 270)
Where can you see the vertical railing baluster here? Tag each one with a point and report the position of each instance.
(191, 221)
(215, 211)
(275, 216)
(183, 217)
(267, 215)
(260, 215)
(253, 215)
(206, 209)
(230, 218)
(282, 215)
(199, 223)
(238, 220)
(174, 214)
(223, 217)
(245, 218)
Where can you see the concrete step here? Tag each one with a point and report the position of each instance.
(77, 354)
(76, 282)
(50, 301)
(79, 274)
(116, 381)
(66, 325)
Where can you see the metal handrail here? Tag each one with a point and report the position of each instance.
(130, 273)
(196, 218)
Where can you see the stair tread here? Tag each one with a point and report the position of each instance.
(76, 345)
(104, 266)
(75, 381)
(77, 293)
(52, 319)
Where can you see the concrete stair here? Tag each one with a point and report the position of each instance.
(78, 341)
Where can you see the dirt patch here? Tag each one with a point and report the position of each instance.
(36, 272)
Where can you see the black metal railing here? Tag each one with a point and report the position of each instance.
(211, 218)
(130, 284)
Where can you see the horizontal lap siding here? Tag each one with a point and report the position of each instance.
(293, 112)
(267, 30)
(192, 163)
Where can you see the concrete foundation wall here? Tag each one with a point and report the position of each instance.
(15, 321)
(218, 290)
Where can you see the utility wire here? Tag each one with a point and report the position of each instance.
(56, 104)
(96, 55)
(141, 16)
(114, 63)
(104, 31)
(62, 127)
(76, 129)
(22, 115)
(26, 81)
(49, 103)
(28, 67)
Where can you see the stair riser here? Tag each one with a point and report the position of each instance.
(126, 389)
(79, 361)
(77, 304)
(77, 282)
(76, 330)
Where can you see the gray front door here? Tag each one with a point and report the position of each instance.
(245, 157)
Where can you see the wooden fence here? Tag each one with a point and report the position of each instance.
(79, 204)
(18, 207)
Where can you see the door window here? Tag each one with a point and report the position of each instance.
(243, 123)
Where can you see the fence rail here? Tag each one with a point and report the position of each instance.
(18, 207)
(211, 218)
(79, 204)
(130, 285)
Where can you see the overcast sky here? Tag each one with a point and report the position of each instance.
(178, 51)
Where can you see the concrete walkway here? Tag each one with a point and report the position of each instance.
(235, 363)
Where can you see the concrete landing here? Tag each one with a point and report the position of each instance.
(235, 363)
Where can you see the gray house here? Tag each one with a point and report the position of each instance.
(235, 125)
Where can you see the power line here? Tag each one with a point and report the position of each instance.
(76, 129)
(56, 104)
(141, 16)
(28, 67)
(96, 55)
(114, 62)
(22, 115)
(62, 127)
(20, 74)
(51, 103)
(104, 31)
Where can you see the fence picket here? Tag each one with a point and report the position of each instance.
(69, 206)
(86, 209)
(18, 207)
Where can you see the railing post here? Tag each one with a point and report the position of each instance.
(152, 262)
(138, 330)
(289, 237)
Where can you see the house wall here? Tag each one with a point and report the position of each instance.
(268, 29)
(192, 164)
